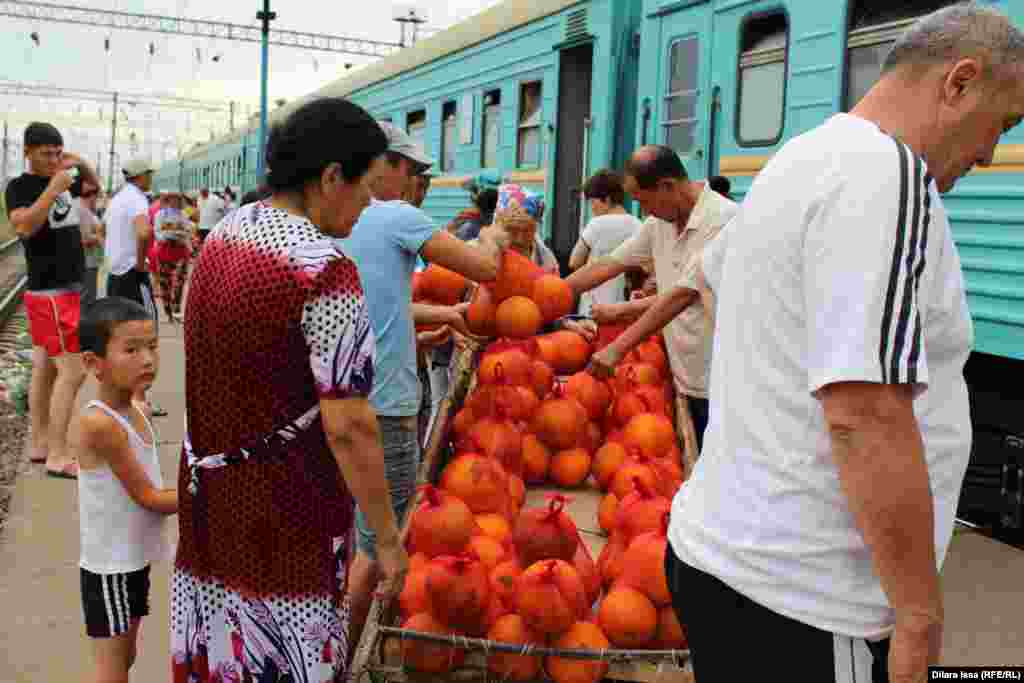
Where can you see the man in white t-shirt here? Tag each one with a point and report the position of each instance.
(683, 216)
(610, 227)
(211, 210)
(129, 234)
(812, 530)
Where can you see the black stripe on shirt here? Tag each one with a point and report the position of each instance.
(894, 272)
(915, 349)
(902, 339)
(897, 335)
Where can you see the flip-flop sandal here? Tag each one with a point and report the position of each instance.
(62, 473)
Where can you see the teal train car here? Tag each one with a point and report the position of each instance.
(548, 92)
(727, 82)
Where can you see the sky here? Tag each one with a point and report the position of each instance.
(74, 56)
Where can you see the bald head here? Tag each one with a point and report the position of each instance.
(652, 163)
(967, 30)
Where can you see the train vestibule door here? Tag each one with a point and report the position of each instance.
(573, 140)
(684, 98)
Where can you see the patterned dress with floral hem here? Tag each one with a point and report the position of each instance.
(275, 321)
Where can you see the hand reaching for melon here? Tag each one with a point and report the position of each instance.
(585, 328)
(431, 339)
(602, 364)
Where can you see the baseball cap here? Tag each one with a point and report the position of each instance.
(39, 133)
(137, 167)
(400, 143)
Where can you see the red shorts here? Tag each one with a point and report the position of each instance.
(171, 252)
(53, 321)
(152, 258)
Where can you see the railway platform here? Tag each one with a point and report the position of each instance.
(42, 637)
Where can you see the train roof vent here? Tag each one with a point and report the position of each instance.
(576, 25)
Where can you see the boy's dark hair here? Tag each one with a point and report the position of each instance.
(39, 133)
(605, 185)
(720, 184)
(324, 131)
(99, 320)
(653, 163)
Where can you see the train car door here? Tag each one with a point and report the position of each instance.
(684, 86)
(576, 68)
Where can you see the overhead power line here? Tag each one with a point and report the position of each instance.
(69, 14)
(48, 91)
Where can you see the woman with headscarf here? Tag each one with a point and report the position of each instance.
(520, 212)
(172, 250)
(280, 438)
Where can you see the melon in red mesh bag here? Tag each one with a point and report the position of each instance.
(515, 278)
(645, 568)
(550, 596)
(441, 524)
(641, 511)
(458, 589)
(497, 438)
(545, 533)
(560, 421)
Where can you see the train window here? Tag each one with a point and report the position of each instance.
(491, 129)
(529, 149)
(449, 136)
(681, 100)
(416, 126)
(762, 80)
(874, 27)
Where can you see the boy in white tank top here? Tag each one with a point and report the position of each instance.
(121, 496)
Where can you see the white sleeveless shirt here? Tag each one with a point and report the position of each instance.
(117, 534)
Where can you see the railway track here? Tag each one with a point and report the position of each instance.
(13, 281)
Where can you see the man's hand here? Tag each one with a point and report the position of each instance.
(393, 564)
(603, 363)
(457, 319)
(61, 181)
(71, 160)
(426, 341)
(606, 314)
(914, 646)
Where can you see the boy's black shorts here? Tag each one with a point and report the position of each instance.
(111, 602)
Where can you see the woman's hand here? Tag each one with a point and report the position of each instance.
(393, 564)
(585, 328)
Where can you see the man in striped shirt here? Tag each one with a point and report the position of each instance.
(812, 530)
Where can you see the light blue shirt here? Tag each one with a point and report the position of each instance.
(385, 244)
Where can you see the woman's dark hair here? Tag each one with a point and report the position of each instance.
(605, 185)
(317, 134)
(487, 202)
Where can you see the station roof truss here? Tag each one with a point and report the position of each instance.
(70, 14)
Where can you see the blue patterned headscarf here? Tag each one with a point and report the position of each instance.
(512, 196)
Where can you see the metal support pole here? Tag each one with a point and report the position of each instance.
(232, 115)
(5, 154)
(113, 143)
(266, 16)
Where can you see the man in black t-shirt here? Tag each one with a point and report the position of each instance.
(44, 210)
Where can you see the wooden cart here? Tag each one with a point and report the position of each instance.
(377, 658)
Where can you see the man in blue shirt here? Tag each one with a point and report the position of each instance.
(385, 244)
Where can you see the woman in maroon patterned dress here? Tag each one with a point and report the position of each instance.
(280, 438)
